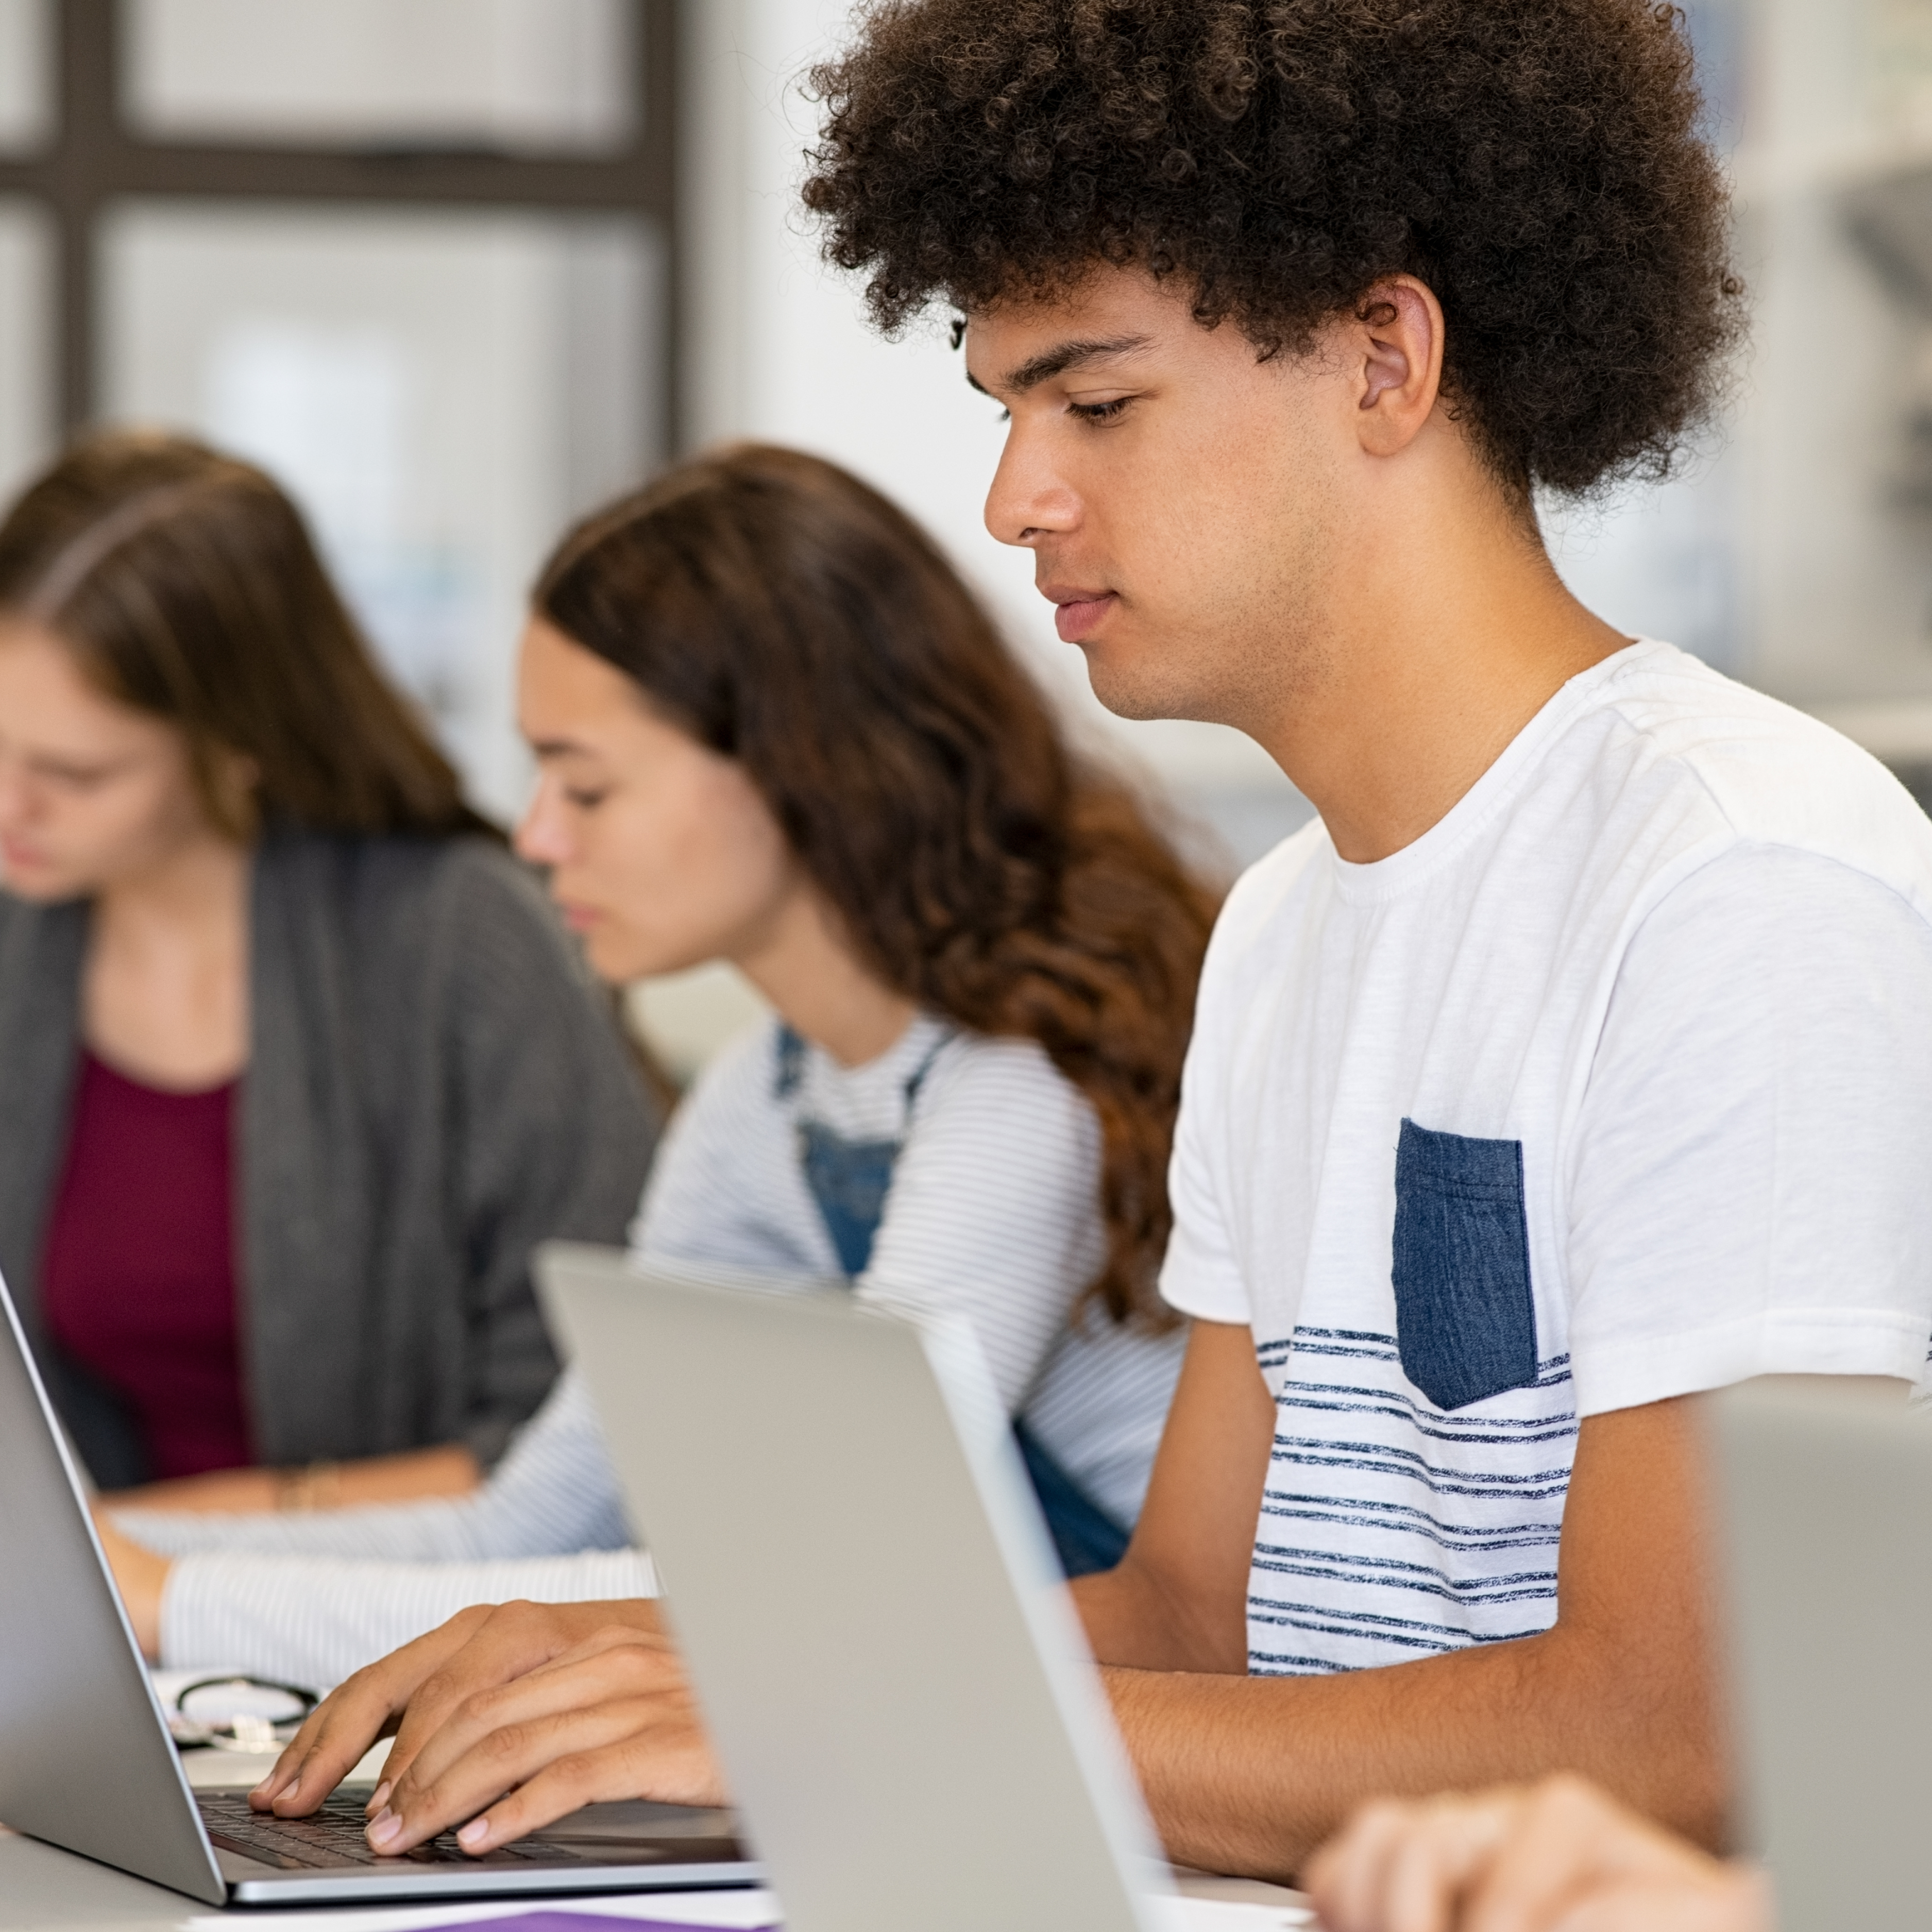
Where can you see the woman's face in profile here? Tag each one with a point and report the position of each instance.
(93, 794)
(661, 854)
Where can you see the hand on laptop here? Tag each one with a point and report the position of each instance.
(1560, 1857)
(557, 1705)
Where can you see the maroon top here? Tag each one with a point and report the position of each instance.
(138, 1276)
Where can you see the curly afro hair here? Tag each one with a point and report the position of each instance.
(1538, 163)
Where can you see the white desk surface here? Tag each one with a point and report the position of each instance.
(43, 1889)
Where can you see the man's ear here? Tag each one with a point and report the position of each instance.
(1396, 343)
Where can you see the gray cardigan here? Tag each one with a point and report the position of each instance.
(432, 1088)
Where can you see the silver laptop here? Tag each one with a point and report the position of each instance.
(1828, 1495)
(86, 1761)
(902, 1695)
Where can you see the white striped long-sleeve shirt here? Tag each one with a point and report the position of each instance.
(993, 1212)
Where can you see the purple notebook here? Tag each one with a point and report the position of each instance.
(576, 1921)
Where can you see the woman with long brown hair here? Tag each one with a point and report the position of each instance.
(298, 1064)
(774, 727)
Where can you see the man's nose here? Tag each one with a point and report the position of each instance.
(1029, 500)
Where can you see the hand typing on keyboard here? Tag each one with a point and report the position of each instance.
(336, 1832)
(507, 1719)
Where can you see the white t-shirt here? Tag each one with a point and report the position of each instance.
(1614, 1085)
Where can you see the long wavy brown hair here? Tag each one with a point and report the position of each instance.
(791, 618)
(185, 584)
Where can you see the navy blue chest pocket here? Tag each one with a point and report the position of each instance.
(1466, 1318)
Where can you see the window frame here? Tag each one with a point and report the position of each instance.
(94, 161)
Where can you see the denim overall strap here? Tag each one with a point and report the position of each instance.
(849, 1181)
(791, 1063)
(1085, 1537)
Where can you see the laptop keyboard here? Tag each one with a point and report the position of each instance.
(331, 1838)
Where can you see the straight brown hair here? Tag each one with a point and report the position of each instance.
(187, 585)
(790, 617)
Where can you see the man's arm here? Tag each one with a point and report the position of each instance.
(560, 1704)
(1178, 1600)
(1247, 1775)
(586, 1698)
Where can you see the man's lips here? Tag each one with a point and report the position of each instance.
(1076, 612)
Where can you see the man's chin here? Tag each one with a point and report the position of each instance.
(1137, 690)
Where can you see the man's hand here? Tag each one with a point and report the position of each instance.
(369, 1706)
(558, 1706)
(614, 1717)
(1559, 1858)
(142, 1577)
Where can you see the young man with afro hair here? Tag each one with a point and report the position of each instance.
(1575, 1061)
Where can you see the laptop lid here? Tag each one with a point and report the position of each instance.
(85, 1758)
(1827, 1489)
(87, 1762)
(900, 1692)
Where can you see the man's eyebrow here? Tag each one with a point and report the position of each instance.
(1062, 357)
(557, 748)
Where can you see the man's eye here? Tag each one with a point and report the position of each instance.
(585, 801)
(1099, 413)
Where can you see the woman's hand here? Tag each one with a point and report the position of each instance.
(1560, 1857)
(558, 1705)
(142, 1576)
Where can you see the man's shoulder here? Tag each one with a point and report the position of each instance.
(1683, 739)
(1251, 933)
(1266, 888)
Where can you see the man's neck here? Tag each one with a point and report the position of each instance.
(1435, 654)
